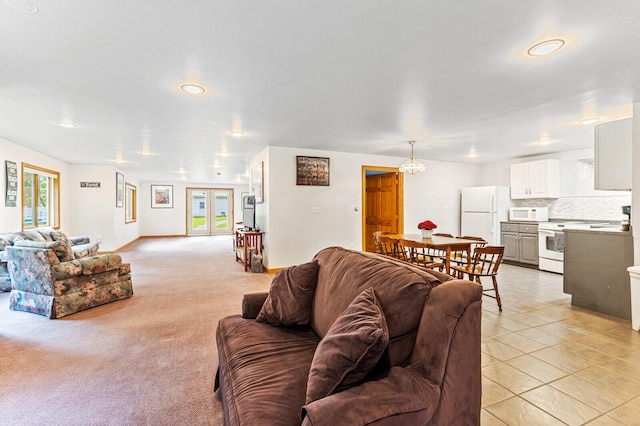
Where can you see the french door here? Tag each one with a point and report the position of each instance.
(209, 211)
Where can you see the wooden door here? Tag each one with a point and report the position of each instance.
(381, 204)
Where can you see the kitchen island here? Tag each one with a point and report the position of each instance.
(595, 269)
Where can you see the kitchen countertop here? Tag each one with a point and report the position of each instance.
(603, 230)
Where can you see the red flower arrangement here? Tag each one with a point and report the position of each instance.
(427, 224)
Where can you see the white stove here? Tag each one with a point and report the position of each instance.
(551, 244)
(555, 226)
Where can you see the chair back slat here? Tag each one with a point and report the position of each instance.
(486, 260)
(389, 247)
(376, 240)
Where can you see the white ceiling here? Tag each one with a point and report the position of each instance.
(356, 76)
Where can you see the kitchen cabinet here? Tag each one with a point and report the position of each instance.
(535, 179)
(613, 142)
(595, 270)
(520, 241)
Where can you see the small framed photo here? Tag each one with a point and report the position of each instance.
(161, 196)
(119, 189)
(312, 171)
(243, 196)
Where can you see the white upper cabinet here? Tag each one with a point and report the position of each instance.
(613, 142)
(535, 179)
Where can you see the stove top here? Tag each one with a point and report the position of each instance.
(559, 226)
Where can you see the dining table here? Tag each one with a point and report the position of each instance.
(448, 244)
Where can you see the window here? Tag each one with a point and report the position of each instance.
(40, 197)
(130, 203)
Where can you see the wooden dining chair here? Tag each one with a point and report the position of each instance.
(461, 257)
(417, 254)
(438, 255)
(389, 247)
(376, 240)
(484, 263)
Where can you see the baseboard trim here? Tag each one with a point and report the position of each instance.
(272, 271)
(139, 238)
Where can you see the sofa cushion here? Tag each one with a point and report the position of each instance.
(401, 290)
(46, 233)
(59, 236)
(290, 296)
(63, 251)
(351, 348)
(33, 235)
(263, 371)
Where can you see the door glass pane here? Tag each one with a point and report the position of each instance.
(198, 210)
(222, 210)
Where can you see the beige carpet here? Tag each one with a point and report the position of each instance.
(147, 360)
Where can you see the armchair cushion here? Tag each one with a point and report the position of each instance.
(87, 266)
(352, 347)
(290, 296)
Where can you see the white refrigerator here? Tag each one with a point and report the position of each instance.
(482, 209)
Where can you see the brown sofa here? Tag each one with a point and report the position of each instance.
(353, 338)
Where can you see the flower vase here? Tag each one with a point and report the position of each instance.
(426, 233)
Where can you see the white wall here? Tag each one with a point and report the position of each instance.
(95, 213)
(11, 217)
(173, 221)
(293, 234)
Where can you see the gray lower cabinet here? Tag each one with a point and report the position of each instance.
(595, 270)
(520, 242)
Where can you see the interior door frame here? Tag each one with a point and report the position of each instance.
(399, 196)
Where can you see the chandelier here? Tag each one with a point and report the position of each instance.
(412, 165)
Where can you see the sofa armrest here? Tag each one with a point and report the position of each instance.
(448, 350)
(79, 240)
(252, 303)
(401, 397)
(87, 266)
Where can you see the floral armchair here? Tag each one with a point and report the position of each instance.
(49, 281)
(80, 246)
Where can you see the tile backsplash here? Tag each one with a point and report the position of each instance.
(581, 208)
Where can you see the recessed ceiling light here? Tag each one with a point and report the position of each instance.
(588, 121)
(544, 141)
(67, 124)
(193, 89)
(545, 47)
(236, 133)
(24, 6)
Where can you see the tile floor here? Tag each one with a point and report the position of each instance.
(546, 362)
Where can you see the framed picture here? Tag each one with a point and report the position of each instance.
(12, 183)
(119, 189)
(312, 171)
(242, 197)
(161, 196)
(256, 182)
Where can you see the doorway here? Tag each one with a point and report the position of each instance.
(209, 211)
(382, 203)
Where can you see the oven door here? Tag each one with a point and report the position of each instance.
(551, 244)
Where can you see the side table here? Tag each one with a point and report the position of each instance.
(246, 242)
